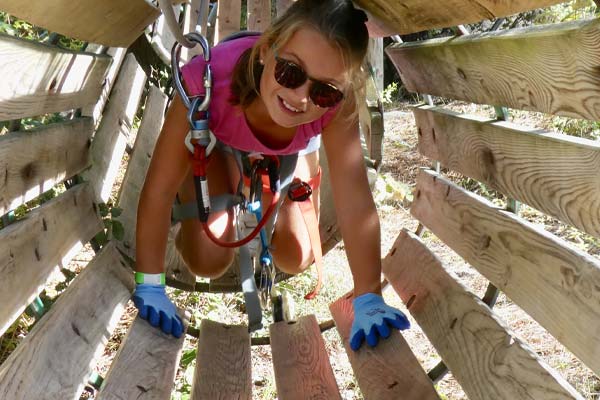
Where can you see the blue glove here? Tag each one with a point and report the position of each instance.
(154, 306)
(371, 318)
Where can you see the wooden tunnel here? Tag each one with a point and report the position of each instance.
(552, 69)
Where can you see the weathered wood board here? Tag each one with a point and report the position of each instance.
(300, 361)
(34, 161)
(229, 14)
(32, 248)
(487, 360)
(259, 14)
(108, 22)
(54, 361)
(36, 79)
(388, 371)
(556, 283)
(550, 68)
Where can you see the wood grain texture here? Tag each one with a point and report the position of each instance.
(408, 16)
(552, 68)
(229, 14)
(31, 249)
(109, 142)
(56, 358)
(145, 366)
(34, 161)
(223, 363)
(282, 5)
(108, 22)
(487, 360)
(388, 371)
(36, 79)
(556, 283)
(259, 14)
(300, 361)
(557, 174)
(139, 162)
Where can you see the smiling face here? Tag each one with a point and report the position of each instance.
(319, 59)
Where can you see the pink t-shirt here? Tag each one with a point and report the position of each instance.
(228, 122)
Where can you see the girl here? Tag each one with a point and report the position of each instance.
(278, 93)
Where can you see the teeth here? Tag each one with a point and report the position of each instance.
(289, 107)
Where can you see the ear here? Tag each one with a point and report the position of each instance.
(264, 52)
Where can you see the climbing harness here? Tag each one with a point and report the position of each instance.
(253, 228)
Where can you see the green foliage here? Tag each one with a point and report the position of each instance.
(113, 227)
(577, 127)
(568, 11)
(389, 93)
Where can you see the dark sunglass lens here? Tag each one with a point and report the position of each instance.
(288, 74)
(324, 95)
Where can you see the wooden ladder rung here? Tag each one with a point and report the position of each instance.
(145, 366)
(222, 363)
(388, 371)
(301, 363)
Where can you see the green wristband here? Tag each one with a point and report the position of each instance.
(153, 279)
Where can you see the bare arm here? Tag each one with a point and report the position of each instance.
(168, 167)
(355, 208)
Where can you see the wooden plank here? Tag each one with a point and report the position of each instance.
(34, 161)
(300, 361)
(552, 68)
(30, 249)
(485, 357)
(109, 22)
(282, 5)
(229, 14)
(139, 161)
(37, 79)
(408, 16)
(389, 371)
(222, 363)
(195, 20)
(259, 15)
(108, 145)
(556, 283)
(55, 359)
(145, 366)
(175, 267)
(163, 40)
(557, 174)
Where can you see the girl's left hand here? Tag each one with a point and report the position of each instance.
(373, 318)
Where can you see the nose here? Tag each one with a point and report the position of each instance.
(300, 95)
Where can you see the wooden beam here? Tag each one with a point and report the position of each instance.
(300, 361)
(408, 16)
(557, 174)
(485, 357)
(34, 161)
(222, 363)
(54, 361)
(556, 283)
(259, 14)
(552, 68)
(32, 248)
(109, 22)
(145, 366)
(282, 5)
(109, 142)
(229, 15)
(387, 372)
(37, 79)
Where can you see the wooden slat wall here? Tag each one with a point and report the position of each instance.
(55, 359)
(552, 69)
(488, 361)
(37, 79)
(282, 5)
(30, 249)
(300, 361)
(389, 371)
(408, 16)
(222, 363)
(229, 14)
(557, 284)
(259, 14)
(108, 22)
(108, 145)
(145, 366)
(557, 174)
(36, 160)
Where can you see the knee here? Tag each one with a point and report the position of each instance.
(210, 267)
(290, 255)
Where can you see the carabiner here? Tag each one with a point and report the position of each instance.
(193, 37)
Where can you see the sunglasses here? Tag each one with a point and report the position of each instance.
(290, 75)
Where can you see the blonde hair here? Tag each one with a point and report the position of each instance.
(337, 20)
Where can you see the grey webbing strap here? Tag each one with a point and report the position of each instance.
(287, 166)
(249, 288)
(217, 203)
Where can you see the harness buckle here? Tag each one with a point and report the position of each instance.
(299, 190)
